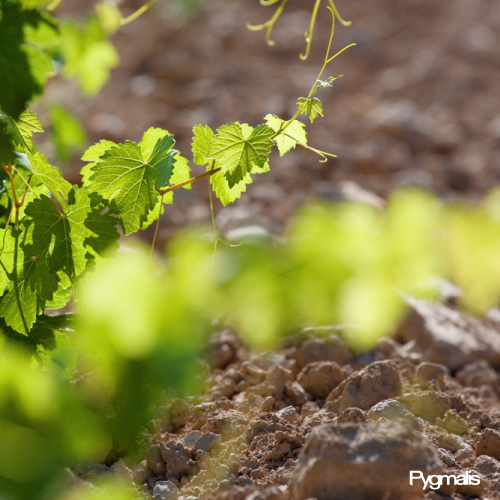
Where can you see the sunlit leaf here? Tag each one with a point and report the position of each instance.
(238, 149)
(312, 107)
(202, 139)
(293, 134)
(127, 181)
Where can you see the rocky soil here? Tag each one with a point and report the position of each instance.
(317, 421)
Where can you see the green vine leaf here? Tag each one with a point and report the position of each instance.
(127, 181)
(293, 134)
(237, 149)
(31, 283)
(156, 149)
(60, 298)
(181, 173)
(87, 54)
(162, 160)
(74, 239)
(51, 177)
(22, 129)
(227, 194)
(93, 154)
(24, 65)
(7, 257)
(7, 154)
(312, 107)
(203, 136)
(149, 140)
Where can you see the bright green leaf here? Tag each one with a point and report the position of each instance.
(181, 173)
(31, 283)
(22, 129)
(7, 257)
(288, 139)
(225, 193)
(83, 234)
(156, 149)
(122, 177)
(87, 54)
(51, 177)
(61, 297)
(311, 107)
(6, 145)
(202, 139)
(94, 152)
(162, 160)
(237, 153)
(149, 140)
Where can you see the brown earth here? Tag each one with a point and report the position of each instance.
(317, 421)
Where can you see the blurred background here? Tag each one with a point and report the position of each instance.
(419, 103)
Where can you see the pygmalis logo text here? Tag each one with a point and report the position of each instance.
(434, 482)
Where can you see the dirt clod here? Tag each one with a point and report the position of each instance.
(225, 348)
(165, 490)
(337, 462)
(477, 374)
(177, 459)
(154, 462)
(320, 378)
(428, 405)
(488, 443)
(328, 349)
(449, 337)
(207, 441)
(393, 410)
(378, 381)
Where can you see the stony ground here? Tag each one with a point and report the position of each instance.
(417, 106)
(317, 421)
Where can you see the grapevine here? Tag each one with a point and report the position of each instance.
(56, 231)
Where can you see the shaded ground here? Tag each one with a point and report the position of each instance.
(418, 103)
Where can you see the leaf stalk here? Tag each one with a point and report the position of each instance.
(189, 181)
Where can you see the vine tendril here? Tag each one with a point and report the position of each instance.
(269, 25)
(309, 34)
(266, 3)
